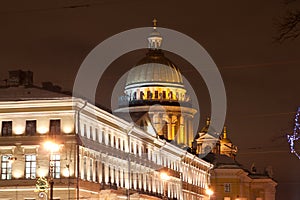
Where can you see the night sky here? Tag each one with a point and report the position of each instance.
(261, 77)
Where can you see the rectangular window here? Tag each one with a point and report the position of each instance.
(84, 130)
(156, 94)
(6, 128)
(96, 171)
(30, 166)
(114, 141)
(84, 168)
(91, 133)
(227, 187)
(103, 137)
(55, 165)
(96, 135)
(91, 169)
(6, 167)
(30, 127)
(164, 94)
(119, 143)
(55, 126)
(109, 140)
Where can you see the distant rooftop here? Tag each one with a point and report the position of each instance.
(19, 86)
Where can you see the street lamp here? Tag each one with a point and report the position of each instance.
(209, 192)
(164, 177)
(51, 147)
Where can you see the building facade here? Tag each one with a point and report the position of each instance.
(229, 179)
(54, 146)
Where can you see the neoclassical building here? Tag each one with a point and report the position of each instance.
(229, 179)
(54, 146)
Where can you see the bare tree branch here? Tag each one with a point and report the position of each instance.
(289, 26)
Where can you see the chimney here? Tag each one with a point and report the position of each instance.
(20, 78)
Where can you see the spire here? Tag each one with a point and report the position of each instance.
(154, 23)
(225, 132)
(154, 39)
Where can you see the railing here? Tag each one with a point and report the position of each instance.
(143, 102)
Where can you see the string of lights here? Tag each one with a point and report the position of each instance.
(296, 135)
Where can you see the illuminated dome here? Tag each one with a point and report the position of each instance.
(154, 79)
(155, 68)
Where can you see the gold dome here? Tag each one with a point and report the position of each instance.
(155, 68)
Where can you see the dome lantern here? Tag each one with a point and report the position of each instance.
(154, 39)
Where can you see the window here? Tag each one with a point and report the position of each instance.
(6, 168)
(119, 143)
(91, 133)
(84, 168)
(103, 137)
(30, 127)
(227, 187)
(164, 94)
(96, 135)
(156, 94)
(55, 126)
(96, 171)
(84, 130)
(6, 128)
(114, 141)
(91, 169)
(109, 140)
(30, 166)
(55, 165)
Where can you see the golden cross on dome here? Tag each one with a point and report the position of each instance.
(154, 22)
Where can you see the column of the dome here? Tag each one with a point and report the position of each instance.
(182, 130)
(190, 132)
(174, 123)
(186, 130)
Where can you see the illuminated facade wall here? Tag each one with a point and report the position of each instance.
(100, 156)
(236, 184)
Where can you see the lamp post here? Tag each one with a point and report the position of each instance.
(209, 192)
(164, 177)
(51, 147)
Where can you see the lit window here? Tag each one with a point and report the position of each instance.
(227, 187)
(30, 127)
(30, 166)
(55, 126)
(6, 128)
(6, 168)
(55, 165)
